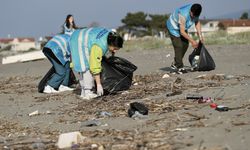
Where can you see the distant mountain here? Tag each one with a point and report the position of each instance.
(233, 15)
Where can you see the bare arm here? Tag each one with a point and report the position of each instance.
(184, 34)
(198, 29)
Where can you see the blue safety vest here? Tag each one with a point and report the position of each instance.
(67, 30)
(81, 42)
(59, 45)
(173, 21)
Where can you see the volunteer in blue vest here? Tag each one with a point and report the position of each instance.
(57, 50)
(69, 26)
(87, 46)
(178, 24)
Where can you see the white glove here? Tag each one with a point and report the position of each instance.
(99, 90)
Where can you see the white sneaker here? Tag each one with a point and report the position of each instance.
(48, 89)
(63, 88)
(88, 95)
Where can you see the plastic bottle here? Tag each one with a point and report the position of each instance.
(200, 98)
(221, 108)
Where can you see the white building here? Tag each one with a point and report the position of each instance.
(231, 26)
(18, 44)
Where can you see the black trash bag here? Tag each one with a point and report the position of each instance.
(205, 61)
(117, 74)
(135, 106)
(43, 82)
(122, 64)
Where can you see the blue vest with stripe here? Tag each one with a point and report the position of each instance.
(67, 30)
(81, 42)
(59, 45)
(173, 21)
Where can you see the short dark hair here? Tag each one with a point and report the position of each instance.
(196, 10)
(115, 39)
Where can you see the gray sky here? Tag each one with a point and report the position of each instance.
(34, 18)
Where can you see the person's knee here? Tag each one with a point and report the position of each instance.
(62, 73)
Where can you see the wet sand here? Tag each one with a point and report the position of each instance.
(173, 121)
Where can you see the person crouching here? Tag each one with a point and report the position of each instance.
(87, 46)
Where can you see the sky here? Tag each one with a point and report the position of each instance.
(38, 18)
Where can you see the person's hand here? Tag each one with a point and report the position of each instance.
(99, 90)
(194, 44)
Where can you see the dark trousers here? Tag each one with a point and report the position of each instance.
(62, 72)
(180, 45)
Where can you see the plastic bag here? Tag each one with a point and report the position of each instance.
(204, 62)
(135, 106)
(117, 74)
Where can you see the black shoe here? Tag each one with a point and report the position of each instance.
(173, 67)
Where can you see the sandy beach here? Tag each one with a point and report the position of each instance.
(173, 122)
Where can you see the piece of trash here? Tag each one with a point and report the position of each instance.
(200, 98)
(34, 113)
(192, 96)
(205, 100)
(221, 108)
(125, 92)
(48, 112)
(173, 93)
(213, 105)
(201, 76)
(139, 107)
(228, 77)
(135, 83)
(138, 115)
(91, 123)
(105, 114)
(67, 140)
(168, 55)
(93, 146)
(104, 125)
(165, 76)
(181, 129)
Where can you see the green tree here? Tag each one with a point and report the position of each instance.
(135, 20)
(135, 23)
(158, 22)
(142, 24)
(244, 15)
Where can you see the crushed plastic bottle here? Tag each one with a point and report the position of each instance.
(221, 108)
(200, 98)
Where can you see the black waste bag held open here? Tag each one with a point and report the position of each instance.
(205, 61)
(117, 74)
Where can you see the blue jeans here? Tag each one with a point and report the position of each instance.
(62, 72)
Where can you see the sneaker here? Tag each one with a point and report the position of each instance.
(48, 89)
(173, 67)
(63, 88)
(182, 71)
(88, 95)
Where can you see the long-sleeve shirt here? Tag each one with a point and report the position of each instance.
(95, 60)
